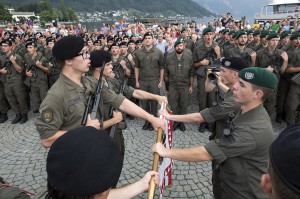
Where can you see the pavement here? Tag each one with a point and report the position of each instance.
(23, 158)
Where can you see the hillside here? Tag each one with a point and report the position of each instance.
(237, 8)
(187, 7)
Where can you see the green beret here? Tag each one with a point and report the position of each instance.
(225, 31)
(7, 41)
(206, 30)
(295, 35)
(259, 76)
(249, 32)
(240, 33)
(147, 34)
(256, 32)
(84, 162)
(183, 29)
(235, 34)
(68, 47)
(98, 57)
(264, 33)
(231, 32)
(272, 35)
(284, 34)
(179, 40)
(221, 31)
(234, 63)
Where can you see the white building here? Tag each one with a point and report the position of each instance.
(15, 15)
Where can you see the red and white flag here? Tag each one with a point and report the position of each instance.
(165, 168)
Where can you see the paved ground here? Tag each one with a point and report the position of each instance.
(22, 158)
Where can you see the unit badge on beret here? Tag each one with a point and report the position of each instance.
(249, 75)
(227, 63)
(47, 115)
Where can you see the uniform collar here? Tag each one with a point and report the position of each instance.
(71, 85)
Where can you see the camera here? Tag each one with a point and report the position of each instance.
(214, 67)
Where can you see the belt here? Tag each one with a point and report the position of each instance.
(148, 78)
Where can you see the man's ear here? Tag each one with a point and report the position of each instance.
(266, 184)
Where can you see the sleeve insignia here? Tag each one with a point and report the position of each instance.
(47, 115)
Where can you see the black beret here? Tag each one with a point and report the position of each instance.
(110, 38)
(84, 162)
(7, 33)
(125, 36)
(138, 41)
(234, 63)
(68, 47)
(147, 34)
(101, 36)
(98, 57)
(7, 41)
(50, 39)
(30, 43)
(285, 157)
(123, 43)
(97, 41)
(131, 41)
(115, 44)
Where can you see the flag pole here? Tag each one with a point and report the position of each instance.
(159, 137)
(155, 165)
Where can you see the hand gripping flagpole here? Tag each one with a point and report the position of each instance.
(159, 137)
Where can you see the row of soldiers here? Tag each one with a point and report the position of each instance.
(278, 53)
(258, 48)
(28, 69)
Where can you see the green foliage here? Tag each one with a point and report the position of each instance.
(186, 7)
(4, 13)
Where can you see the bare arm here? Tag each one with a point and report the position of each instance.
(132, 109)
(285, 62)
(134, 189)
(143, 95)
(188, 118)
(117, 117)
(137, 74)
(194, 154)
(293, 69)
(47, 143)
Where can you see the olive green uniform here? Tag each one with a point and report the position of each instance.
(285, 83)
(219, 115)
(39, 80)
(115, 85)
(178, 73)
(149, 63)
(264, 59)
(55, 70)
(243, 155)
(117, 68)
(4, 105)
(293, 98)
(64, 106)
(245, 54)
(15, 89)
(199, 54)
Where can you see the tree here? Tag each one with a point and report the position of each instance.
(4, 13)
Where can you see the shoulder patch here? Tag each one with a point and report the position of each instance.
(47, 115)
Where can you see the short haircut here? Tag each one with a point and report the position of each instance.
(279, 188)
(267, 92)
